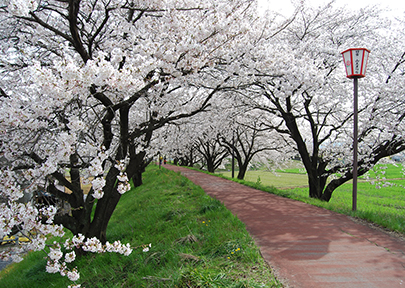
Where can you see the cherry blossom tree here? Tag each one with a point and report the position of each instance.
(304, 88)
(84, 85)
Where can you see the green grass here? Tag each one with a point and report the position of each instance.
(196, 242)
(389, 171)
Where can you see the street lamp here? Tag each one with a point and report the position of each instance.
(355, 60)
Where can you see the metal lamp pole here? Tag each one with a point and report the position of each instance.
(355, 60)
(355, 143)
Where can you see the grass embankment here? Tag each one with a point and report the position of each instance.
(196, 242)
(384, 206)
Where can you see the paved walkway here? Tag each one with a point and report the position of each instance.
(309, 246)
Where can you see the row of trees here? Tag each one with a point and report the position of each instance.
(88, 85)
(84, 85)
(217, 135)
(301, 93)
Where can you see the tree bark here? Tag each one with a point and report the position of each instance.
(105, 207)
(242, 169)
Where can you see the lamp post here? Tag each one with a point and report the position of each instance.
(355, 60)
(233, 154)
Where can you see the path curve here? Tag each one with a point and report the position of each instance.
(309, 247)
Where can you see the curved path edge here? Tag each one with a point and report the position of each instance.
(308, 246)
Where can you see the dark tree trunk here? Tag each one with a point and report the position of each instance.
(314, 165)
(191, 159)
(210, 165)
(316, 182)
(105, 207)
(335, 183)
(184, 161)
(316, 185)
(80, 221)
(317, 176)
(242, 169)
(136, 167)
(137, 179)
(138, 163)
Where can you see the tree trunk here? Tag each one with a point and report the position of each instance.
(105, 207)
(136, 167)
(137, 179)
(242, 170)
(241, 174)
(210, 165)
(315, 187)
(327, 194)
(191, 160)
(317, 177)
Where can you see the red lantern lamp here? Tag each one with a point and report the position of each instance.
(355, 62)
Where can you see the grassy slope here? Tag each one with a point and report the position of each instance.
(196, 242)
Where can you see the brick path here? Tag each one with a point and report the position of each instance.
(309, 246)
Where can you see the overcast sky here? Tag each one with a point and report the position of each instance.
(285, 7)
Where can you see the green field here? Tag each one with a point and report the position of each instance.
(278, 179)
(196, 242)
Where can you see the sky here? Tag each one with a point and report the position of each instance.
(285, 7)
